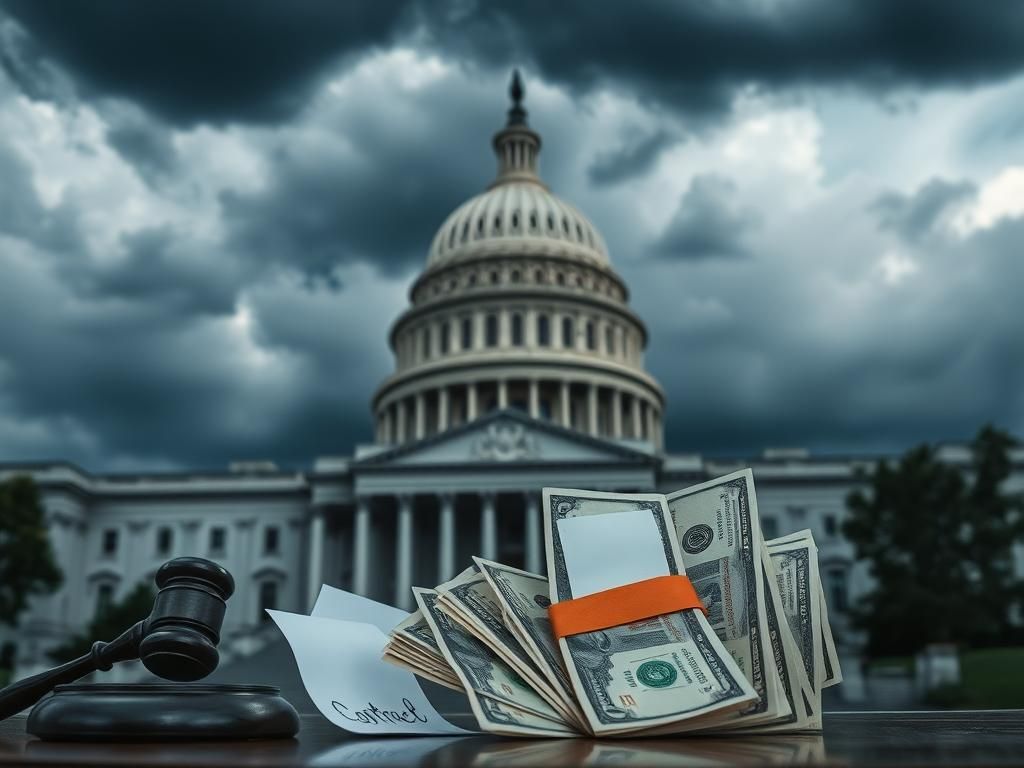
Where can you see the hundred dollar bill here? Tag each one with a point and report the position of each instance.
(787, 657)
(656, 673)
(833, 674)
(501, 700)
(470, 601)
(411, 644)
(795, 560)
(524, 600)
(720, 535)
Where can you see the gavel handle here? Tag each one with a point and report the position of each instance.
(24, 693)
(27, 692)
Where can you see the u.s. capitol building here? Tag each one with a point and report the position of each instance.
(518, 364)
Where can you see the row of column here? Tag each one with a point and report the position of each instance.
(438, 338)
(406, 419)
(362, 551)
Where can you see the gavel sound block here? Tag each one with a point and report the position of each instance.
(178, 642)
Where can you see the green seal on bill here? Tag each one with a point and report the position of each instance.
(656, 674)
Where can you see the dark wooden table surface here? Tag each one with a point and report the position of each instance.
(849, 738)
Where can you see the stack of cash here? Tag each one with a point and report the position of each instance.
(756, 660)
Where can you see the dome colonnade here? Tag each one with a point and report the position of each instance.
(519, 308)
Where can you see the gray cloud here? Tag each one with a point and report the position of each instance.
(693, 56)
(23, 215)
(380, 193)
(143, 143)
(915, 216)
(203, 60)
(194, 342)
(630, 160)
(709, 223)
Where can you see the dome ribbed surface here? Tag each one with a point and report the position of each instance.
(517, 218)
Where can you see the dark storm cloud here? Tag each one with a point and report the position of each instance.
(694, 55)
(144, 144)
(914, 216)
(207, 60)
(709, 223)
(202, 60)
(160, 266)
(630, 160)
(22, 214)
(931, 359)
(379, 196)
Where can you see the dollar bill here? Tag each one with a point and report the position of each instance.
(795, 560)
(470, 601)
(833, 674)
(720, 535)
(501, 700)
(524, 600)
(787, 658)
(657, 673)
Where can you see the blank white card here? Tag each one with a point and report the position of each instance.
(606, 551)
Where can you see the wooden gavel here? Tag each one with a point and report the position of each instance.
(177, 641)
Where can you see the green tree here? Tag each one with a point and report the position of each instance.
(109, 622)
(939, 544)
(27, 563)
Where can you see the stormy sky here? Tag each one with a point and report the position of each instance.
(210, 211)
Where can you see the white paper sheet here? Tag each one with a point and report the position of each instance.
(606, 551)
(334, 603)
(341, 667)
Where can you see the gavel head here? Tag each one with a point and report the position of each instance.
(181, 634)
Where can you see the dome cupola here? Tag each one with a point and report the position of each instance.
(517, 212)
(518, 307)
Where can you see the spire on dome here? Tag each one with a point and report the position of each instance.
(516, 115)
(517, 145)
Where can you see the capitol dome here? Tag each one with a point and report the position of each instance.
(519, 307)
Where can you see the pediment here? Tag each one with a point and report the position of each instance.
(507, 437)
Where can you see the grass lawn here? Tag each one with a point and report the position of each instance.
(993, 678)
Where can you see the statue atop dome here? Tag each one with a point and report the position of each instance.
(517, 114)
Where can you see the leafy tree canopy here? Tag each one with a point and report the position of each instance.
(109, 622)
(939, 543)
(27, 563)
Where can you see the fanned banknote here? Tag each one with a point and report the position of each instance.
(720, 536)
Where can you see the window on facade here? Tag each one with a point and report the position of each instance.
(539, 278)
(164, 541)
(467, 332)
(769, 527)
(838, 588)
(495, 277)
(445, 338)
(568, 333)
(104, 597)
(514, 276)
(268, 599)
(797, 514)
(830, 525)
(218, 540)
(560, 278)
(491, 330)
(517, 330)
(591, 335)
(543, 331)
(471, 280)
(609, 340)
(271, 540)
(110, 542)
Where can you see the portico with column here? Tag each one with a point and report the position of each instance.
(423, 509)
